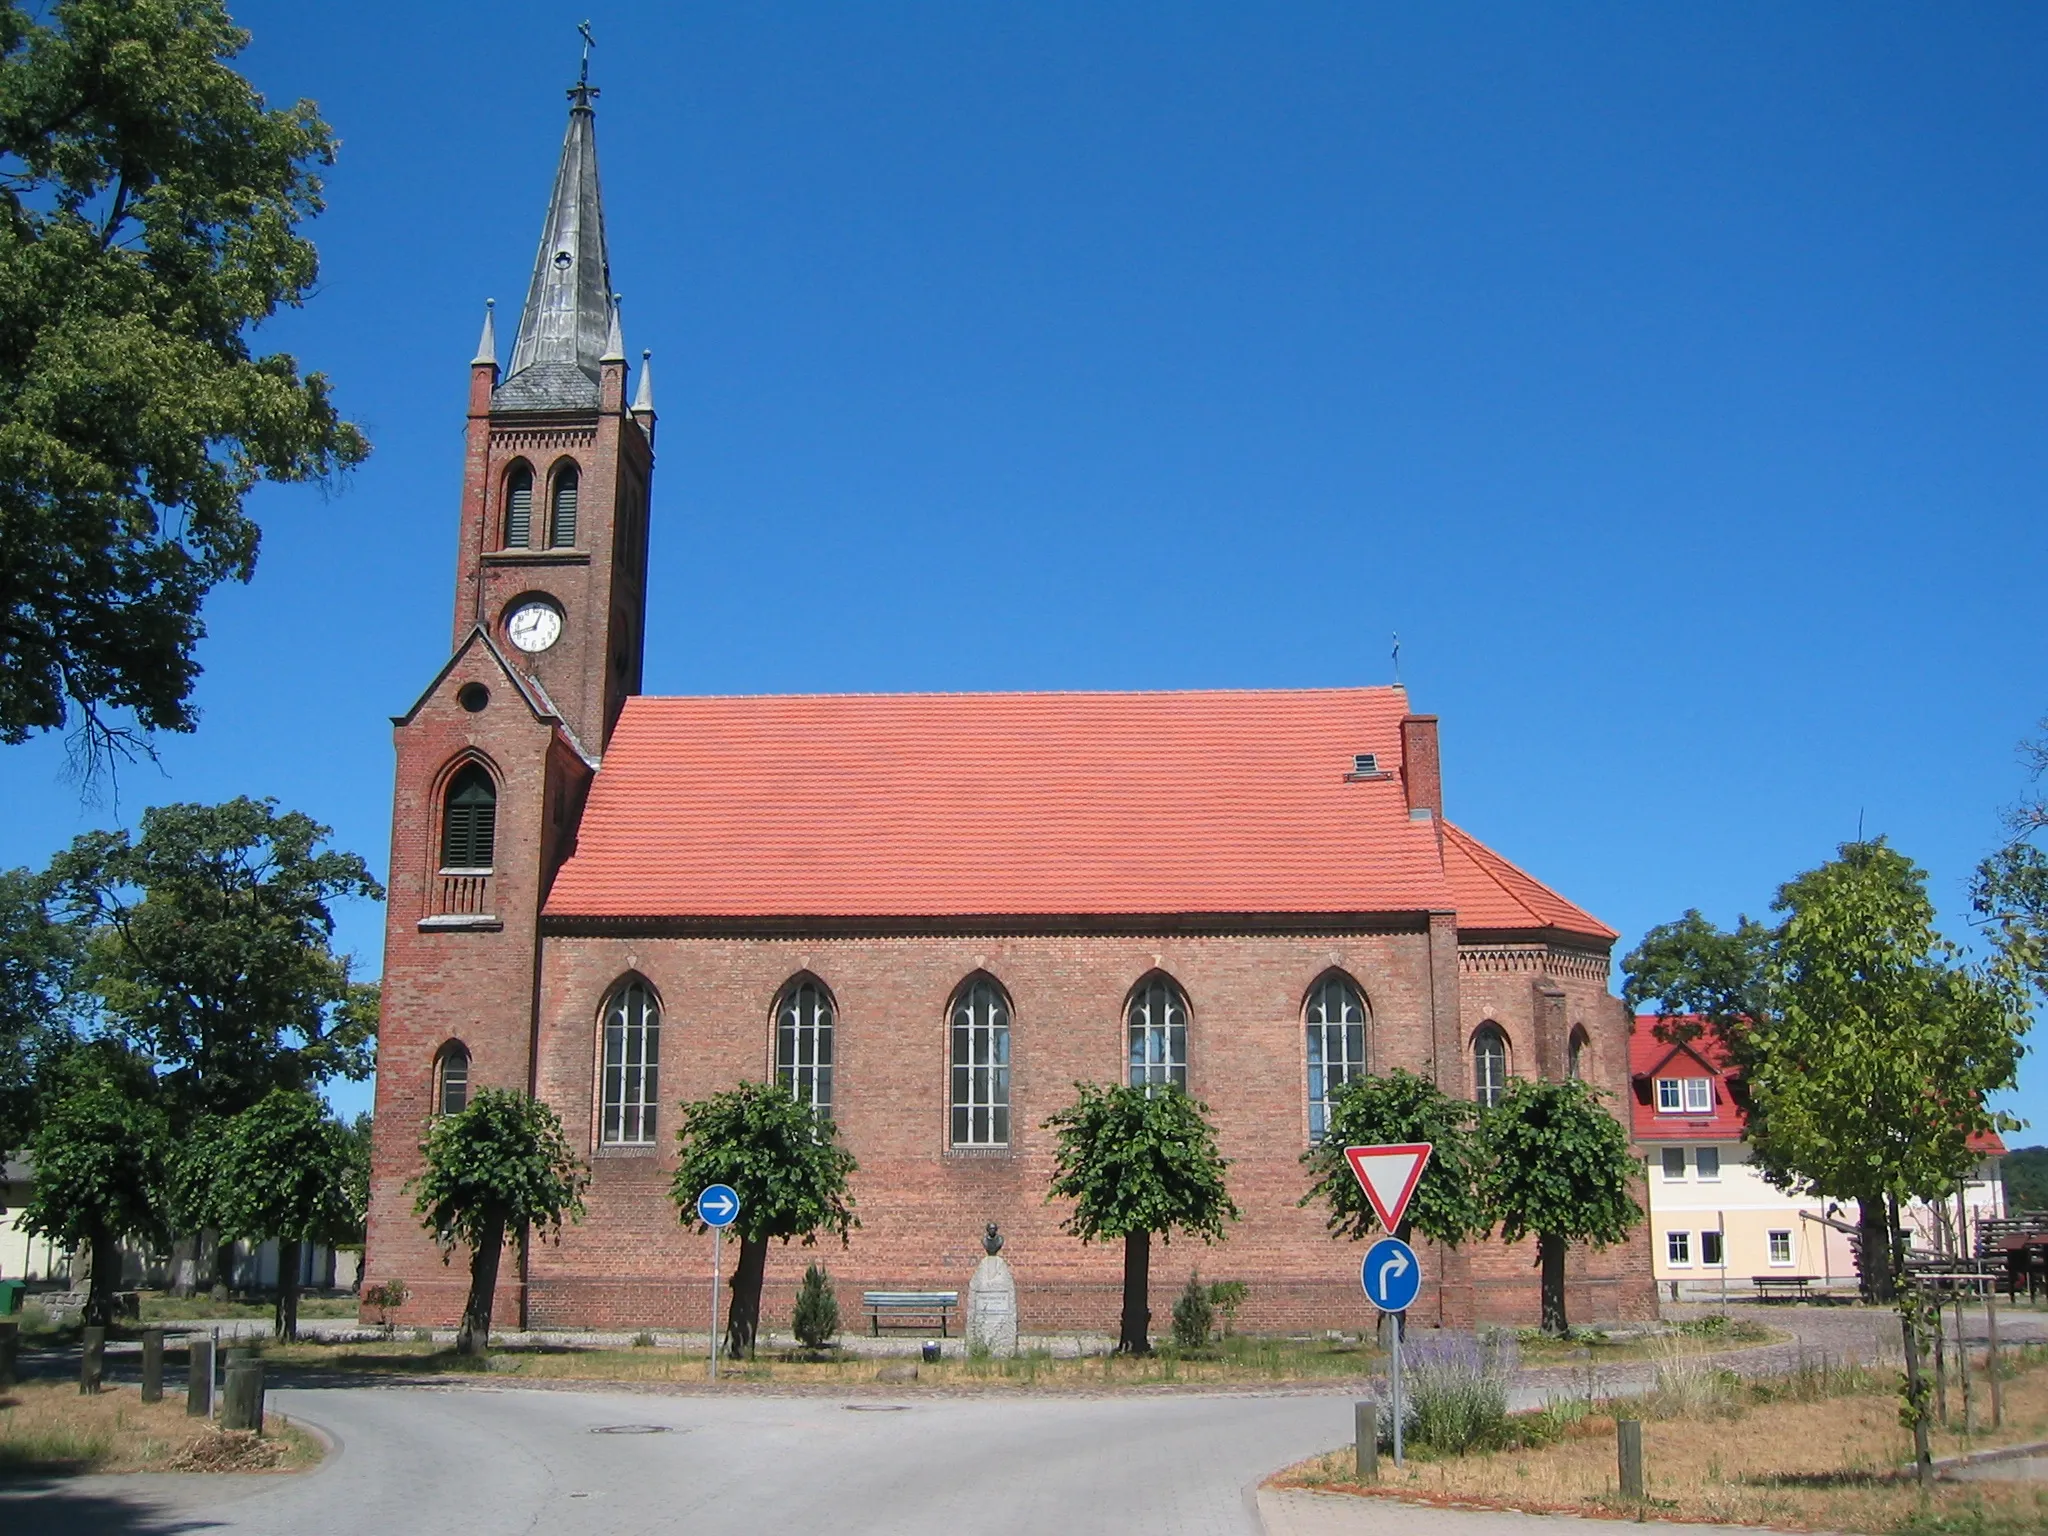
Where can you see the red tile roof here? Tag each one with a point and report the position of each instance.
(1492, 893)
(1025, 804)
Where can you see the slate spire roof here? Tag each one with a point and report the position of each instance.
(568, 316)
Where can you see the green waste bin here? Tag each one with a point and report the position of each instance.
(10, 1297)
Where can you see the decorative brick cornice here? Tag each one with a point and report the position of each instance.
(1545, 959)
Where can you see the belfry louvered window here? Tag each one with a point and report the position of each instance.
(981, 1067)
(1158, 1019)
(519, 508)
(803, 1046)
(1336, 1046)
(562, 512)
(632, 1062)
(469, 821)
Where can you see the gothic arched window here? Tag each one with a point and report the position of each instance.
(1575, 1055)
(451, 1079)
(519, 507)
(1336, 1017)
(562, 510)
(803, 1045)
(1489, 1065)
(632, 1062)
(981, 1065)
(1158, 1020)
(469, 820)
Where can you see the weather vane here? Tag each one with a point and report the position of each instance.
(1397, 661)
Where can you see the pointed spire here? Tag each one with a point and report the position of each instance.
(643, 398)
(615, 339)
(487, 344)
(568, 313)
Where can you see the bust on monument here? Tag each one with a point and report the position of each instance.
(992, 1299)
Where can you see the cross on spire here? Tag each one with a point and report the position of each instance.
(582, 91)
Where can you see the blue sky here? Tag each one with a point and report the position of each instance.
(1670, 378)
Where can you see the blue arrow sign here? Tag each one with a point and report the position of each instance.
(1391, 1275)
(718, 1206)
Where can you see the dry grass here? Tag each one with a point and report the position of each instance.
(1719, 1450)
(48, 1427)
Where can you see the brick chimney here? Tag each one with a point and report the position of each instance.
(1421, 769)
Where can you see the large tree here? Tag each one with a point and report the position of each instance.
(1138, 1160)
(151, 207)
(282, 1170)
(101, 1157)
(785, 1163)
(37, 1000)
(1558, 1165)
(1387, 1110)
(501, 1167)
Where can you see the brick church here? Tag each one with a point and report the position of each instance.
(928, 915)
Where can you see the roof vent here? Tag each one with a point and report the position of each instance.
(1366, 765)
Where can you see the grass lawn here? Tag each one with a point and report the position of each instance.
(1820, 1451)
(157, 1307)
(48, 1427)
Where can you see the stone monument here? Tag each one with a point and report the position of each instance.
(992, 1300)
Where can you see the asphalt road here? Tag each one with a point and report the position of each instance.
(481, 1460)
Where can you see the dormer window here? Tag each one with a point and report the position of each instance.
(1685, 1096)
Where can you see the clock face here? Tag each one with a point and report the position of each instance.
(534, 626)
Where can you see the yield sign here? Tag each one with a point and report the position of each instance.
(1388, 1175)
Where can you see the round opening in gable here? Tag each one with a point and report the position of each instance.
(473, 697)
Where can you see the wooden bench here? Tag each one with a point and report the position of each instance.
(921, 1307)
(1782, 1287)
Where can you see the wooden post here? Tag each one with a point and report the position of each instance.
(241, 1405)
(1940, 1364)
(1991, 1354)
(152, 1365)
(1628, 1444)
(92, 1361)
(1365, 1423)
(199, 1376)
(10, 1343)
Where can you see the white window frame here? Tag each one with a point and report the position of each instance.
(1157, 1025)
(631, 1092)
(1671, 1102)
(978, 1026)
(1678, 1249)
(805, 1020)
(1771, 1247)
(1706, 1164)
(1674, 1157)
(1699, 1095)
(1720, 1241)
(1337, 1020)
(1489, 1049)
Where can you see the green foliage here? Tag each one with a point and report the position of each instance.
(1193, 1315)
(1227, 1296)
(502, 1163)
(102, 1154)
(1134, 1160)
(1390, 1109)
(37, 957)
(816, 1321)
(149, 220)
(208, 945)
(2026, 1179)
(283, 1168)
(784, 1162)
(1693, 968)
(1557, 1161)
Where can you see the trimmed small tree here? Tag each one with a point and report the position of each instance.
(502, 1166)
(816, 1319)
(101, 1157)
(1557, 1165)
(786, 1165)
(1137, 1161)
(283, 1169)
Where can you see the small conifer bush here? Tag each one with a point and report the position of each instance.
(1192, 1315)
(817, 1310)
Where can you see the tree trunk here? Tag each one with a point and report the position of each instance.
(1917, 1394)
(1874, 1260)
(286, 1326)
(475, 1336)
(1550, 1255)
(223, 1266)
(105, 1254)
(1133, 1335)
(185, 1266)
(743, 1307)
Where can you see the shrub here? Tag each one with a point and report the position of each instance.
(1227, 1296)
(1192, 1315)
(1456, 1393)
(817, 1310)
(387, 1299)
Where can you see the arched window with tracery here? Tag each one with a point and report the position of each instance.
(1337, 1019)
(1157, 1019)
(981, 1065)
(451, 1079)
(562, 509)
(469, 821)
(803, 1045)
(519, 507)
(632, 1066)
(1489, 1065)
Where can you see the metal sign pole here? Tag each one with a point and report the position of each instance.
(1399, 1319)
(717, 1239)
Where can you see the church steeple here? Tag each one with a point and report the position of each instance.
(568, 314)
